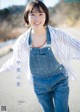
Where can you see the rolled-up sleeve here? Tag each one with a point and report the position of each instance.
(11, 64)
(8, 66)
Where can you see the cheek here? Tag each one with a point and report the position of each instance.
(30, 19)
(44, 19)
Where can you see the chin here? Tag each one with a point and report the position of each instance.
(38, 26)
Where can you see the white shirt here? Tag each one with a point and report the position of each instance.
(64, 46)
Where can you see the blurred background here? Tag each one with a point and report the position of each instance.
(64, 15)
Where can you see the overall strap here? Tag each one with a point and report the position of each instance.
(29, 40)
(48, 36)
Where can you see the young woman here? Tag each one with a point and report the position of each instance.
(43, 53)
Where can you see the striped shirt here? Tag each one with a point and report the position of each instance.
(63, 46)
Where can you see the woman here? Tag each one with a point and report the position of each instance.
(44, 54)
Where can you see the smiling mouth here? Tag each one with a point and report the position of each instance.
(37, 23)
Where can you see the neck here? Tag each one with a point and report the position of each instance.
(38, 31)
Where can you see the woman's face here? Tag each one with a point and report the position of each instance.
(37, 18)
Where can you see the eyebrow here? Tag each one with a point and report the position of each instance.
(36, 12)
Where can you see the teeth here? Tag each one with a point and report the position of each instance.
(37, 23)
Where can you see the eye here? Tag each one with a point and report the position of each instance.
(41, 14)
(32, 14)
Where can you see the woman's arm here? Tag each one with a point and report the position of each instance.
(66, 44)
(11, 64)
(73, 45)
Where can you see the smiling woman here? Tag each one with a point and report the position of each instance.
(35, 10)
(43, 54)
(37, 16)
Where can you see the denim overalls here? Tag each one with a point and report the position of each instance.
(49, 78)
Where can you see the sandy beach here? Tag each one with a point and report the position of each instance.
(23, 99)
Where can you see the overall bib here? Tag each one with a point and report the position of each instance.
(49, 79)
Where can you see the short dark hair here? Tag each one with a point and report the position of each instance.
(36, 4)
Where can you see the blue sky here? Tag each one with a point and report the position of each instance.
(6, 3)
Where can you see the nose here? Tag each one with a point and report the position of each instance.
(36, 17)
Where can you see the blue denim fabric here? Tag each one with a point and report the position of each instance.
(49, 79)
(43, 62)
(52, 88)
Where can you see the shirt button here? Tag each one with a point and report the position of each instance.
(49, 48)
(60, 68)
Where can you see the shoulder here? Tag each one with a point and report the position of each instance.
(24, 36)
(58, 33)
(55, 30)
(22, 39)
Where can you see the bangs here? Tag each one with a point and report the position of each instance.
(36, 8)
